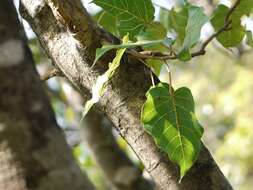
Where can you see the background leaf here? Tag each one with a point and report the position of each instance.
(232, 37)
(235, 35)
(132, 15)
(196, 20)
(249, 38)
(178, 22)
(170, 119)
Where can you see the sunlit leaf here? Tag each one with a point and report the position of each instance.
(132, 15)
(169, 117)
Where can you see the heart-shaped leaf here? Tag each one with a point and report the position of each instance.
(169, 117)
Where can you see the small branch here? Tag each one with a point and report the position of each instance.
(202, 50)
(232, 10)
(53, 72)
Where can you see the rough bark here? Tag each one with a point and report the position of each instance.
(118, 169)
(33, 151)
(69, 36)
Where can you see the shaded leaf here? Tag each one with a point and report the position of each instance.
(154, 31)
(235, 35)
(195, 22)
(107, 21)
(232, 37)
(187, 23)
(249, 38)
(132, 16)
(169, 117)
(178, 22)
(155, 65)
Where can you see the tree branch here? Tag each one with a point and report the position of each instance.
(125, 95)
(118, 169)
(52, 72)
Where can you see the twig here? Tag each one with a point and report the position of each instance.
(53, 72)
(232, 10)
(202, 50)
(152, 78)
(170, 78)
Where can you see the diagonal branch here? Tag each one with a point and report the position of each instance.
(72, 47)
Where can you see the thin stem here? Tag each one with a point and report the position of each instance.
(152, 77)
(170, 77)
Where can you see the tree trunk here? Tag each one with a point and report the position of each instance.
(118, 169)
(33, 151)
(70, 38)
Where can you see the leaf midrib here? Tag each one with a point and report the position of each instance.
(177, 124)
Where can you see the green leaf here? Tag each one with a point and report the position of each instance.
(178, 22)
(235, 35)
(154, 31)
(105, 48)
(155, 65)
(169, 117)
(232, 37)
(99, 87)
(249, 38)
(107, 21)
(196, 20)
(245, 8)
(187, 23)
(132, 15)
